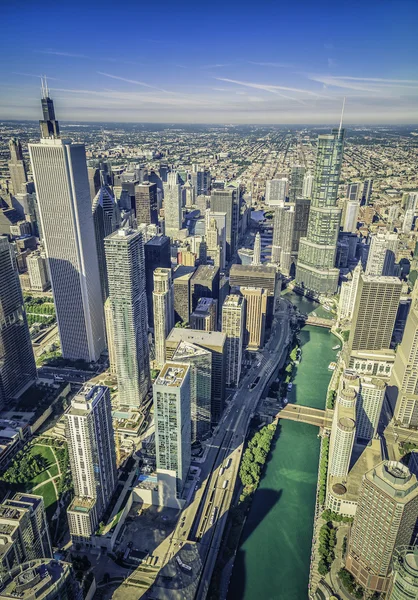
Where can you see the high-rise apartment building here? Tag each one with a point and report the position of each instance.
(182, 277)
(60, 173)
(382, 254)
(146, 203)
(369, 407)
(348, 295)
(385, 518)
(403, 385)
(215, 343)
(110, 336)
(350, 219)
(200, 363)
(163, 301)
(257, 250)
(297, 177)
(343, 431)
(17, 363)
(23, 530)
(374, 313)
(315, 271)
(172, 205)
(307, 185)
(17, 167)
(38, 271)
(284, 217)
(276, 191)
(201, 180)
(227, 201)
(91, 448)
(172, 414)
(367, 191)
(157, 254)
(106, 218)
(255, 316)
(126, 276)
(233, 326)
(404, 580)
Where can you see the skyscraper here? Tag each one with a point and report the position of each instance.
(213, 243)
(343, 431)
(404, 581)
(315, 271)
(146, 203)
(60, 173)
(200, 361)
(227, 201)
(284, 217)
(353, 191)
(367, 191)
(204, 316)
(204, 284)
(201, 180)
(49, 126)
(106, 218)
(91, 448)
(369, 407)
(348, 295)
(257, 250)
(172, 414)
(307, 185)
(126, 275)
(163, 302)
(17, 167)
(233, 323)
(385, 518)
(172, 205)
(403, 385)
(17, 363)
(182, 277)
(276, 191)
(351, 211)
(297, 176)
(110, 336)
(255, 317)
(382, 254)
(157, 254)
(374, 313)
(38, 271)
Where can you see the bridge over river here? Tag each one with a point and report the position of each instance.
(306, 414)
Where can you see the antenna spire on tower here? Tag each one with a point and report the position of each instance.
(342, 115)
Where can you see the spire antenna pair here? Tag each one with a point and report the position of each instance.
(44, 87)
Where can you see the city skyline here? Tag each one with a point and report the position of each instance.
(292, 71)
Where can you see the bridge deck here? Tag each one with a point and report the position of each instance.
(306, 414)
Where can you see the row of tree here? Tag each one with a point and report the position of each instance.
(327, 543)
(323, 470)
(255, 456)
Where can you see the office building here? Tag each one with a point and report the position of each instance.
(201, 180)
(343, 430)
(404, 580)
(110, 336)
(233, 326)
(255, 316)
(367, 191)
(157, 254)
(350, 218)
(163, 301)
(315, 272)
(410, 203)
(91, 449)
(369, 407)
(172, 415)
(146, 203)
(374, 313)
(23, 530)
(204, 284)
(38, 271)
(172, 205)
(182, 277)
(200, 363)
(17, 363)
(106, 218)
(43, 579)
(385, 518)
(354, 191)
(214, 252)
(215, 343)
(403, 385)
(126, 275)
(93, 174)
(284, 217)
(17, 167)
(307, 185)
(251, 276)
(257, 250)
(382, 254)
(227, 201)
(276, 191)
(297, 177)
(204, 316)
(60, 173)
(348, 295)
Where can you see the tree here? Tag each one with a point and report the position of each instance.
(322, 567)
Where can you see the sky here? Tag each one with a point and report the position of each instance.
(212, 62)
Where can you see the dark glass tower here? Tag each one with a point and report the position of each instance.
(49, 125)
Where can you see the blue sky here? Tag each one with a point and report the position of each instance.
(212, 62)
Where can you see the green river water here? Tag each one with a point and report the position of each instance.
(274, 554)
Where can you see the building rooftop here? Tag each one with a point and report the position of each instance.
(158, 240)
(206, 272)
(259, 271)
(82, 504)
(209, 338)
(183, 272)
(172, 374)
(86, 399)
(34, 579)
(187, 350)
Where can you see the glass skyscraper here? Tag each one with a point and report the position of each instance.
(316, 272)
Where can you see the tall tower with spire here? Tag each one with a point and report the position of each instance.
(49, 125)
(257, 250)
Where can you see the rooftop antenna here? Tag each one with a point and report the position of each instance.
(342, 115)
(47, 90)
(42, 87)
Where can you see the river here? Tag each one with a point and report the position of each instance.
(272, 562)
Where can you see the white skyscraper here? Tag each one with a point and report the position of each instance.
(233, 326)
(348, 296)
(62, 187)
(257, 250)
(163, 302)
(172, 205)
(410, 206)
(343, 431)
(351, 211)
(276, 191)
(382, 254)
(307, 185)
(126, 276)
(91, 449)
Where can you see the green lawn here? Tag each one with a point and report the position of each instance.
(44, 451)
(48, 493)
(53, 470)
(39, 479)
